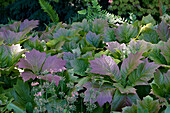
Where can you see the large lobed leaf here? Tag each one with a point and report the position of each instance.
(105, 93)
(165, 50)
(121, 100)
(149, 35)
(147, 105)
(139, 45)
(37, 63)
(163, 31)
(98, 26)
(105, 65)
(93, 39)
(33, 61)
(161, 84)
(10, 55)
(116, 49)
(126, 32)
(130, 64)
(143, 73)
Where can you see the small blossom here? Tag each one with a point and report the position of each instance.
(38, 94)
(110, 1)
(74, 94)
(34, 84)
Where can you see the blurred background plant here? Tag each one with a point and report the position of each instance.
(67, 10)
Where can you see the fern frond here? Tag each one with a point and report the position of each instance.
(49, 9)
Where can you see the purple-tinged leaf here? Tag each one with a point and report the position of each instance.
(10, 37)
(98, 26)
(53, 64)
(105, 93)
(93, 39)
(50, 77)
(12, 27)
(65, 33)
(125, 32)
(113, 46)
(28, 75)
(165, 50)
(127, 89)
(130, 64)
(163, 31)
(143, 73)
(116, 49)
(139, 45)
(121, 100)
(105, 66)
(28, 25)
(33, 61)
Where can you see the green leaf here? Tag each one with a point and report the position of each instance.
(49, 9)
(156, 56)
(148, 19)
(150, 35)
(82, 12)
(22, 93)
(80, 66)
(130, 64)
(130, 109)
(165, 50)
(152, 106)
(143, 73)
(121, 100)
(161, 84)
(15, 108)
(126, 32)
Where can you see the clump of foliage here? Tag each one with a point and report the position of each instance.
(87, 66)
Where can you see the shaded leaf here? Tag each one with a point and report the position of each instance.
(125, 32)
(130, 64)
(50, 77)
(98, 26)
(163, 31)
(93, 39)
(121, 100)
(53, 64)
(161, 84)
(127, 89)
(26, 75)
(116, 49)
(80, 66)
(105, 66)
(165, 50)
(139, 45)
(130, 109)
(28, 25)
(156, 56)
(152, 106)
(148, 19)
(109, 35)
(150, 35)
(143, 73)
(105, 93)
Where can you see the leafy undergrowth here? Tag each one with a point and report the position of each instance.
(86, 67)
